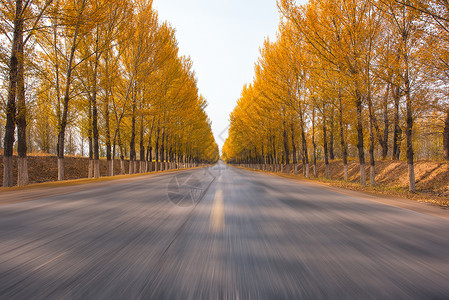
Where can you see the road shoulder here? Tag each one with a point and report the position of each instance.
(413, 205)
(56, 188)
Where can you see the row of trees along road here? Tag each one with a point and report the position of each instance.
(348, 79)
(101, 71)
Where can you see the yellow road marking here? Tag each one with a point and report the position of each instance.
(217, 220)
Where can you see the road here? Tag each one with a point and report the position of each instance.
(219, 233)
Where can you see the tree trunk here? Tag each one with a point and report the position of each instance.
(90, 142)
(386, 125)
(360, 146)
(150, 159)
(63, 120)
(162, 150)
(9, 139)
(132, 146)
(304, 146)
(446, 136)
(122, 155)
(295, 159)
(315, 173)
(331, 136)
(142, 147)
(397, 135)
(344, 149)
(22, 165)
(156, 168)
(95, 119)
(109, 157)
(286, 148)
(371, 142)
(409, 132)
(326, 153)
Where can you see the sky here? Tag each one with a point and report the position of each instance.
(222, 37)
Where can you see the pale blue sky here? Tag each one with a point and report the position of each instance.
(223, 38)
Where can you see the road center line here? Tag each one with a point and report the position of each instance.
(217, 221)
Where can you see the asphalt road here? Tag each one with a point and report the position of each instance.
(219, 233)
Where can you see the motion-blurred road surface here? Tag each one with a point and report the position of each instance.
(219, 233)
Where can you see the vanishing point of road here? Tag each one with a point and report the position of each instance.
(219, 233)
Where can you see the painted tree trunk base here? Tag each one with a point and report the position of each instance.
(22, 168)
(156, 166)
(295, 170)
(346, 172)
(411, 178)
(90, 171)
(96, 168)
(60, 169)
(362, 175)
(315, 174)
(142, 166)
(327, 173)
(7, 171)
(122, 167)
(131, 168)
(109, 168)
(372, 171)
(287, 169)
(307, 171)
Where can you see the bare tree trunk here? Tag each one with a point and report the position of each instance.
(109, 157)
(10, 127)
(63, 120)
(360, 146)
(315, 173)
(397, 136)
(122, 155)
(446, 136)
(326, 153)
(286, 148)
(304, 146)
(344, 149)
(371, 142)
(295, 159)
(142, 147)
(22, 166)
(386, 125)
(132, 146)
(90, 142)
(409, 131)
(162, 150)
(331, 136)
(156, 168)
(95, 119)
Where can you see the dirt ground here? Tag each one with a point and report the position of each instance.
(45, 168)
(431, 177)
